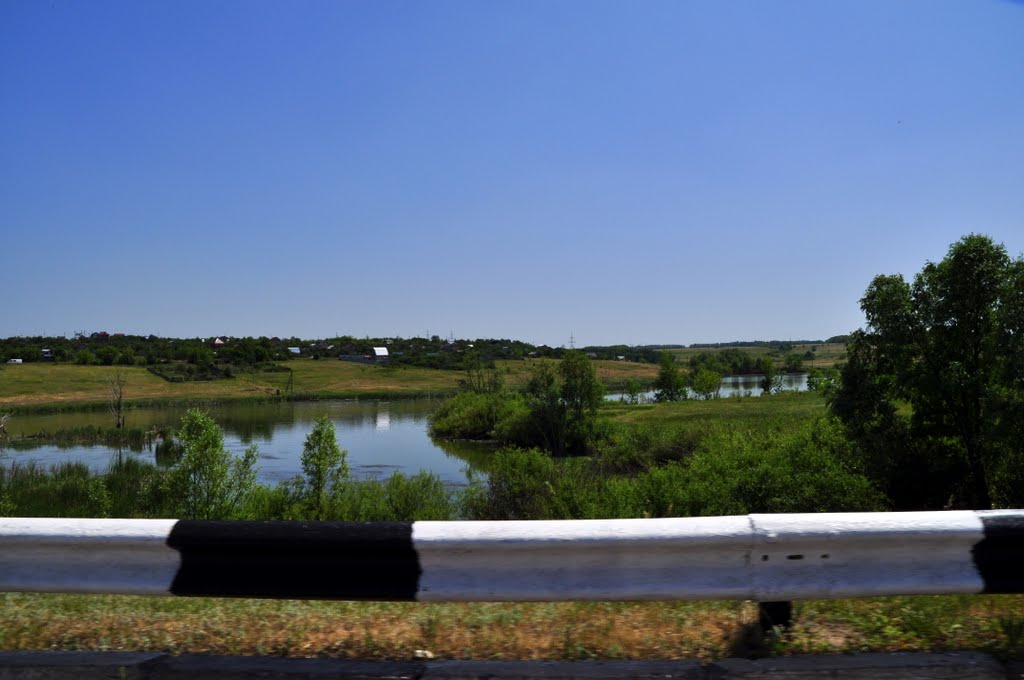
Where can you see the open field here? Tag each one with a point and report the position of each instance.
(701, 630)
(34, 384)
(63, 385)
(739, 412)
(826, 355)
(611, 373)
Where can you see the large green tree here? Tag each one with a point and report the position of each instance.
(670, 385)
(563, 404)
(933, 389)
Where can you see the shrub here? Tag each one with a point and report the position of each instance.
(65, 490)
(735, 473)
(422, 496)
(529, 484)
(208, 482)
(325, 466)
(467, 415)
(137, 489)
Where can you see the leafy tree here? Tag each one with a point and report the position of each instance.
(547, 413)
(821, 379)
(582, 395)
(670, 384)
(563, 404)
(325, 466)
(481, 376)
(106, 356)
(933, 389)
(631, 391)
(770, 379)
(793, 362)
(707, 383)
(208, 481)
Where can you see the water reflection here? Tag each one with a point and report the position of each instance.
(380, 436)
(734, 386)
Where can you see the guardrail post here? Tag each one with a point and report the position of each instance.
(772, 614)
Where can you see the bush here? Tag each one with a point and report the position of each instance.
(138, 489)
(422, 496)
(208, 482)
(467, 415)
(735, 473)
(631, 449)
(529, 484)
(65, 490)
(720, 472)
(325, 466)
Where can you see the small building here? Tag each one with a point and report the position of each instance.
(47, 354)
(14, 361)
(217, 343)
(295, 350)
(380, 355)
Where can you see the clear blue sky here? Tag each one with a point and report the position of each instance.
(622, 172)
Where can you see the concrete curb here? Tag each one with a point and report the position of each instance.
(145, 666)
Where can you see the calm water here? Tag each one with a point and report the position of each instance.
(381, 437)
(740, 385)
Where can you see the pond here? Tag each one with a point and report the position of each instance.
(738, 386)
(381, 437)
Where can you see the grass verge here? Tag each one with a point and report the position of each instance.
(601, 630)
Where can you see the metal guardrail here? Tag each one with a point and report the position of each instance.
(753, 557)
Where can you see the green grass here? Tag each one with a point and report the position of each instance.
(43, 387)
(606, 630)
(740, 412)
(826, 355)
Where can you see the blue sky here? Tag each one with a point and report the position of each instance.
(620, 172)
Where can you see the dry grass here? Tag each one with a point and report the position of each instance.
(64, 384)
(495, 631)
(612, 373)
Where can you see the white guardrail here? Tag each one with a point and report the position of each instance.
(753, 557)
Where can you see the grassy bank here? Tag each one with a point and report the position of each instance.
(54, 387)
(786, 409)
(702, 630)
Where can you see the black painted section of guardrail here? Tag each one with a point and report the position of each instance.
(301, 560)
(999, 557)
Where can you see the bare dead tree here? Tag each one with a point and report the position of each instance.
(117, 399)
(3, 424)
